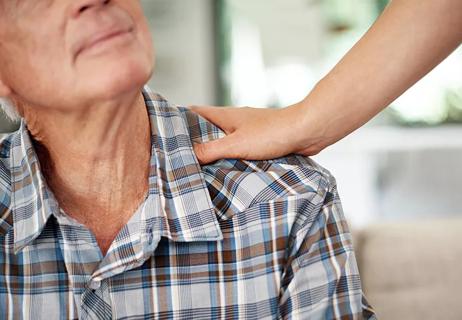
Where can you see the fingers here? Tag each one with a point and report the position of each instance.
(220, 116)
(224, 148)
(212, 114)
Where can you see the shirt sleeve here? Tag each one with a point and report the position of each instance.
(321, 279)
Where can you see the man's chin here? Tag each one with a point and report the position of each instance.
(110, 80)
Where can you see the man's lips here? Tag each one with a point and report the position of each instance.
(99, 38)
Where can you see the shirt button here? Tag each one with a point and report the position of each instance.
(94, 285)
(151, 236)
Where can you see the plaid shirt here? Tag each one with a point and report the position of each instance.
(231, 240)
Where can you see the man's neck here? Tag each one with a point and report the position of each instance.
(97, 162)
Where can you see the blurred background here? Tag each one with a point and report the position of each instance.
(399, 177)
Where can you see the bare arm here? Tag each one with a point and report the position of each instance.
(409, 39)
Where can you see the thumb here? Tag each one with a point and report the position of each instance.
(226, 147)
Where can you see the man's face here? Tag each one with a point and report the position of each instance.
(69, 53)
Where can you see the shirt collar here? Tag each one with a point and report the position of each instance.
(31, 202)
(175, 180)
(177, 176)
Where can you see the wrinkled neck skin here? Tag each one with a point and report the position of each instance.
(95, 160)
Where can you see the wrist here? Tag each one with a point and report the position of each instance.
(311, 131)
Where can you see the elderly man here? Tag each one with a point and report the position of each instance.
(105, 211)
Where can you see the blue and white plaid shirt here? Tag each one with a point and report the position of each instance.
(231, 240)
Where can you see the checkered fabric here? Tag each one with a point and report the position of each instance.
(231, 240)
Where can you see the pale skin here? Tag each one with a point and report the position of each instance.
(409, 39)
(82, 102)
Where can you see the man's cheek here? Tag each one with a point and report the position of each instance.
(133, 8)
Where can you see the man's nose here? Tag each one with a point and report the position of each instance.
(81, 6)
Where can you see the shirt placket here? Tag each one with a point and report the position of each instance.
(81, 256)
(90, 273)
(96, 301)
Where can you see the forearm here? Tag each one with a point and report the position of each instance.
(409, 39)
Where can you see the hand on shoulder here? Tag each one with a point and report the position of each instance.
(254, 133)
